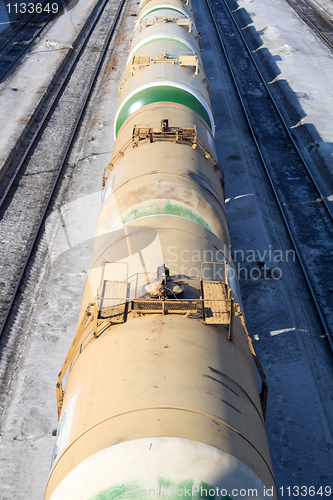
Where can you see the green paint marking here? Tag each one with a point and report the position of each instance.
(164, 93)
(188, 488)
(163, 487)
(163, 40)
(163, 8)
(115, 492)
(164, 207)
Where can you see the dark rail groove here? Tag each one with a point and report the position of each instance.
(305, 211)
(12, 50)
(20, 26)
(315, 19)
(26, 202)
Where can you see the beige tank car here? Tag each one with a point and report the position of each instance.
(161, 397)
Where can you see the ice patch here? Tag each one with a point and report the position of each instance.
(304, 95)
(54, 45)
(267, 29)
(256, 92)
(286, 49)
(243, 195)
(285, 330)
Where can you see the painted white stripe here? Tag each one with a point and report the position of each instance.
(243, 196)
(176, 39)
(237, 197)
(64, 429)
(140, 463)
(285, 330)
(168, 83)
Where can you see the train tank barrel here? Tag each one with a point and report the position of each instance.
(161, 396)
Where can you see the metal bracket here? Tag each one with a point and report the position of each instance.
(185, 134)
(186, 59)
(164, 58)
(185, 22)
(138, 62)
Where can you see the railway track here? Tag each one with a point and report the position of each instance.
(4, 39)
(304, 209)
(314, 18)
(19, 42)
(29, 192)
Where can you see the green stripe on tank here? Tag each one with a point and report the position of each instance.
(164, 40)
(163, 8)
(163, 207)
(158, 94)
(168, 489)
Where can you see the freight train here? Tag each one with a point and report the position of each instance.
(161, 397)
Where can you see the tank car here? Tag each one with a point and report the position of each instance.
(161, 397)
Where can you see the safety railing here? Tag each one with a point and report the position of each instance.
(211, 310)
(185, 134)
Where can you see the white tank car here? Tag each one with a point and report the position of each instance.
(161, 397)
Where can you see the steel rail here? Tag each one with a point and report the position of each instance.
(279, 203)
(310, 23)
(323, 198)
(21, 26)
(38, 32)
(17, 31)
(321, 195)
(320, 14)
(70, 142)
(51, 105)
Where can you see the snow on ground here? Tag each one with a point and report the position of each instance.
(303, 67)
(296, 359)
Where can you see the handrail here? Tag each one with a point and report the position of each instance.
(264, 387)
(175, 134)
(234, 310)
(59, 390)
